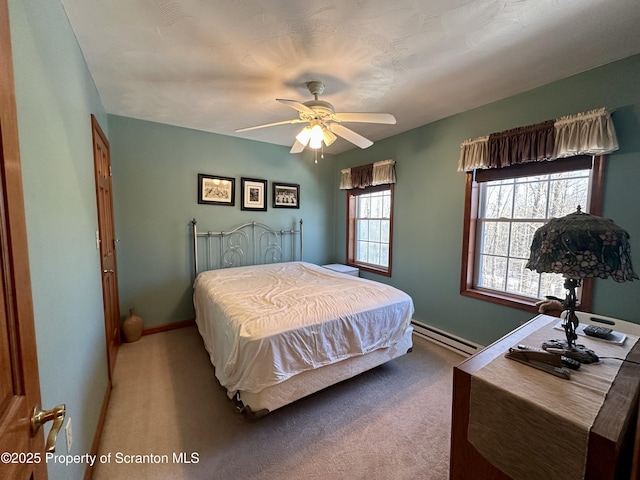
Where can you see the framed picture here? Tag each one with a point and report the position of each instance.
(253, 194)
(215, 190)
(286, 195)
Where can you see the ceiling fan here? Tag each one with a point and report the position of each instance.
(324, 123)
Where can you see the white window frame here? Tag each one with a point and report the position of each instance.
(470, 261)
(352, 217)
(510, 223)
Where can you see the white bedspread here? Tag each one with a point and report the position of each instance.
(263, 324)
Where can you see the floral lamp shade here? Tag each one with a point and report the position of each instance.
(580, 245)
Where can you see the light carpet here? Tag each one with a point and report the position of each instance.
(392, 422)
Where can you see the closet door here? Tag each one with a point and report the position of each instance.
(107, 242)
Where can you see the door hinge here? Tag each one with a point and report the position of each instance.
(109, 170)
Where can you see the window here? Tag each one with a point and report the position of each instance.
(504, 207)
(369, 228)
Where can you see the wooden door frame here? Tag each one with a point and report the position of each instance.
(15, 257)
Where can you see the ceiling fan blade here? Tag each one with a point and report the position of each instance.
(297, 147)
(386, 118)
(301, 107)
(350, 135)
(283, 122)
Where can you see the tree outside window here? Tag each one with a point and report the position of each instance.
(504, 208)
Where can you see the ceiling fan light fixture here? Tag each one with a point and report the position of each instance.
(324, 123)
(328, 136)
(304, 136)
(317, 135)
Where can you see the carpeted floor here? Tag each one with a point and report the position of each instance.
(166, 406)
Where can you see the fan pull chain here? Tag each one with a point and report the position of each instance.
(321, 152)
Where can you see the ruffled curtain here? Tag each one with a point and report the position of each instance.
(384, 172)
(474, 154)
(521, 145)
(590, 133)
(345, 179)
(379, 173)
(362, 176)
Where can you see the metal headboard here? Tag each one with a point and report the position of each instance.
(252, 243)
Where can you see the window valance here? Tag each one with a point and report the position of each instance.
(379, 173)
(589, 133)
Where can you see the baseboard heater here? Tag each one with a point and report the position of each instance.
(445, 339)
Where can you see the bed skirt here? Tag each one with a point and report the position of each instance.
(310, 381)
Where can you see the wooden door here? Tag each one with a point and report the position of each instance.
(107, 242)
(22, 453)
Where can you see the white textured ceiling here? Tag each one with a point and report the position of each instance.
(219, 65)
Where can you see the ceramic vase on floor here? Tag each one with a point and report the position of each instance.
(132, 327)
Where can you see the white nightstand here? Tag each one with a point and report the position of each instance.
(338, 267)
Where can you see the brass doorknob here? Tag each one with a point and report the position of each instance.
(39, 417)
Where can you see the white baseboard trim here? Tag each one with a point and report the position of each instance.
(445, 339)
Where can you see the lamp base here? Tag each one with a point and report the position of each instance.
(577, 352)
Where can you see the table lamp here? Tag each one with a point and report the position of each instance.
(580, 246)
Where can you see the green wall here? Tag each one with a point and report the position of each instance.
(429, 198)
(155, 169)
(55, 96)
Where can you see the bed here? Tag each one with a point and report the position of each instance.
(277, 328)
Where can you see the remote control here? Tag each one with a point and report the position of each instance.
(598, 332)
(547, 362)
(566, 361)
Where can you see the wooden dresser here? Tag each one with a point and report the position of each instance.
(611, 453)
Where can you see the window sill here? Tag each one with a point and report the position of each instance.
(367, 267)
(521, 303)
